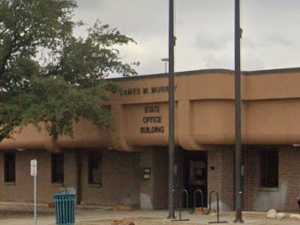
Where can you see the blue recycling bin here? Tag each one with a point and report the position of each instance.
(65, 208)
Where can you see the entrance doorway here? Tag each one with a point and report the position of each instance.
(194, 175)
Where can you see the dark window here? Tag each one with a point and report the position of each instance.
(10, 167)
(95, 168)
(269, 169)
(57, 168)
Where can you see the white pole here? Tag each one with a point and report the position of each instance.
(33, 173)
(35, 198)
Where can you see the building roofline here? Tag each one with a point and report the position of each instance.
(275, 70)
(205, 71)
(181, 73)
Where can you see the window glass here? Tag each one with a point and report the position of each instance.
(10, 167)
(269, 169)
(95, 168)
(57, 168)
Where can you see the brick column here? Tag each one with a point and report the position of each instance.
(220, 177)
(154, 191)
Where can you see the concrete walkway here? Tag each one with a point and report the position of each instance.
(105, 217)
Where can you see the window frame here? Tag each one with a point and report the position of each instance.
(91, 159)
(6, 170)
(269, 169)
(57, 177)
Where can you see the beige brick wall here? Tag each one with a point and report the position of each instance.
(251, 177)
(147, 186)
(281, 198)
(255, 197)
(290, 177)
(160, 172)
(154, 192)
(123, 182)
(220, 176)
(22, 190)
(121, 178)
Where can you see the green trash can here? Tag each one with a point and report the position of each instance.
(65, 208)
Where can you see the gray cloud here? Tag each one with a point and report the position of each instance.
(279, 40)
(211, 42)
(204, 30)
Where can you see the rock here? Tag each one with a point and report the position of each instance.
(281, 216)
(271, 214)
(295, 216)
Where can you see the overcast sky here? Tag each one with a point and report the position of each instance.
(204, 31)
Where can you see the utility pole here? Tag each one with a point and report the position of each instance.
(171, 203)
(238, 122)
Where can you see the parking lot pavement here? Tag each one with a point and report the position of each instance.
(106, 217)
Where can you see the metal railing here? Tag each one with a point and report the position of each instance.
(218, 206)
(201, 194)
(178, 197)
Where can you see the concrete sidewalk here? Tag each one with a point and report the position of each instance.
(106, 217)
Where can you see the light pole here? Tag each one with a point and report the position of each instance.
(171, 200)
(238, 122)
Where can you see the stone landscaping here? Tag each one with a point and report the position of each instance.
(273, 214)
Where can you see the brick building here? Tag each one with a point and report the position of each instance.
(128, 163)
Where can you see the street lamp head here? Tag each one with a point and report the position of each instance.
(166, 62)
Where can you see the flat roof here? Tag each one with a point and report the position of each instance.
(217, 70)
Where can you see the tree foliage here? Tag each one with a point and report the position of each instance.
(47, 74)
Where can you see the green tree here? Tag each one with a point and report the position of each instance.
(47, 74)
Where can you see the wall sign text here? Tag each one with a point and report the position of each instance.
(135, 91)
(152, 120)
